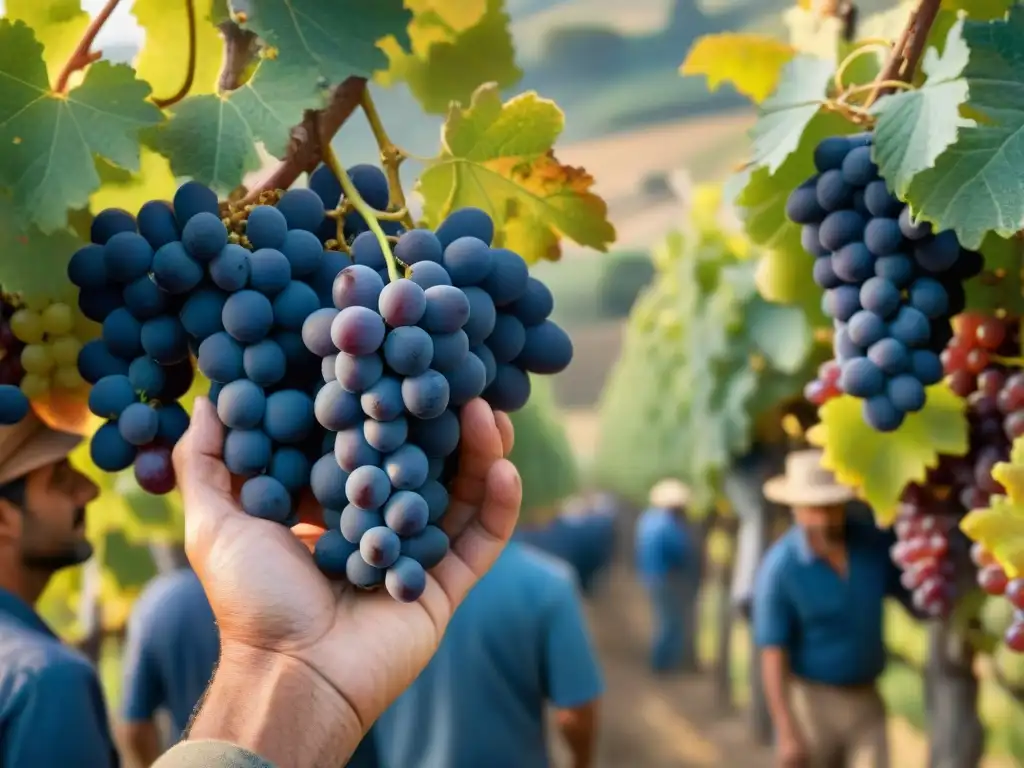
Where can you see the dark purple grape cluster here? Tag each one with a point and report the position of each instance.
(891, 284)
(400, 359)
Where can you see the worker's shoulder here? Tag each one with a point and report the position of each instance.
(31, 659)
(530, 562)
(783, 551)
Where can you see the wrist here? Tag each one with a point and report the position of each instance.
(279, 708)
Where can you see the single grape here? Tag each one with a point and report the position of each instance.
(241, 404)
(193, 198)
(408, 350)
(14, 405)
(302, 209)
(111, 395)
(406, 581)
(138, 424)
(265, 362)
(247, 451)
(204, 236)
(266, 227)
(862, 378)
(841, 228)
(447, 309)
(472, 222)
(230, 269)
(406, 513)
(164, 339)
(305, 254)
(383, 400)
(266, 497)
(327, 481)
(437, 437)
(220, 358)
(380, 547)
(357, 373)
(157, 224)
(468, 261)
(368, 487)
(317, 332)
(802, 206)
(535, 305)
(357, 331)
(331, 553)
(337, 409)
(289, 416)
(385, 436)
(154, 470)
(248, 316)
(427, 274)
(993, 580)
(418, 245)
(426, 396)
(510, 389)
(174, 270)
(407, 467)
(147, 376)
(882, 236)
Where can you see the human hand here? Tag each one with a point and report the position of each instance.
(269, 598)
(790, 751)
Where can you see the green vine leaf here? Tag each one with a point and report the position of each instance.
(58, 25)
(499, 157)
(336, 38)
(51, 140)
(915, 127)
(786, 114)
(881, 464)
(1000, 286)
(455, 50)
(212, 139)
(33, 264)
(974, 187)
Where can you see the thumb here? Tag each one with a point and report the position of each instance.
(198, 457)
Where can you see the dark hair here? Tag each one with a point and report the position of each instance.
(14, 491)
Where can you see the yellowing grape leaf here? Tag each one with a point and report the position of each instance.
(163, 60)
(50, 141)
(212, 138)
(452, 57)
(337, 38)
(58, 25)
(752, 64)
(499, 157)
(881, 464)
(154, 181)
(33, 264)
(999, 528)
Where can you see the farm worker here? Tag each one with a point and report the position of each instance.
(170, 654)
(817, 616)
(518, 644)
(306, 668)
(666, 562)
(52, 712)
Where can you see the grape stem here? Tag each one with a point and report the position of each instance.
(353, 198)
(865, 47)
(190, 70)
(391, 157)
(1013, 362)
(906, 54)
(310, 139)
(84, 55)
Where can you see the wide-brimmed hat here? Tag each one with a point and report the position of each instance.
(807, 483)
(669, 493)
(31, 444)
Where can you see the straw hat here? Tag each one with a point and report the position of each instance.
(807, 483)
(669, 493)
(31, 444)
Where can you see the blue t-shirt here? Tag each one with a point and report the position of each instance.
(171, 651)
(518, 642)
(662, 545)
(830, 626)
(586, 542)
(51, 706)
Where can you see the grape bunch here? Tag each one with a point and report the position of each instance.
(400, 359)
(42, 342)
(927, 546)
(372, 186)
(891, 285)
(992, 578)
(826, 386)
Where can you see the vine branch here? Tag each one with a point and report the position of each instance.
(906, 54)
(84, 55)
(312, 138)
(190, 71)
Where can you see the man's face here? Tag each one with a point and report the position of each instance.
(53, 518)
(823, 525)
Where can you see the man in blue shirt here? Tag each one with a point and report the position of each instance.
(668, 571)
(817, 615)
(52, 712)
(171, 651)
(518, 644)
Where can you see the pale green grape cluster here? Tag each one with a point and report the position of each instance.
(51, 332)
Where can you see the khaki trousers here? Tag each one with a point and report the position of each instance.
(842, 727)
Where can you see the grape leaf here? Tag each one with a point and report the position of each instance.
(499, 157)
(881, 464)
(129, 191)
(51, 140)
(974, 187)
(33, 263)
(786, 114)
(451, 57)
(162, 60)
(337, 38)
(1000, 285)
(979, 9)
(752, 64)
(58, 25)
(785, 273)
(212, 138)
(915, 127)
(781, 333)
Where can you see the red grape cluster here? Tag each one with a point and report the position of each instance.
(11, 371)
(925, 533)
(826, 385)
(994, 581)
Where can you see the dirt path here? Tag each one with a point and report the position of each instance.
(649, 722)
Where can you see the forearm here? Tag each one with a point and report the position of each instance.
(578, 728)
(278, 708)
(141, 743)
(775, 678)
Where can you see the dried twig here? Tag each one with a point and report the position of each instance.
(239, 51)
(907, 52)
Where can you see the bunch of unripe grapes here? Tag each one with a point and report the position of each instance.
(826, 386)
(992, 578)
(41, 343)
(891, 285)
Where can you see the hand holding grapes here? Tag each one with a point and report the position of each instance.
(270, 600)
